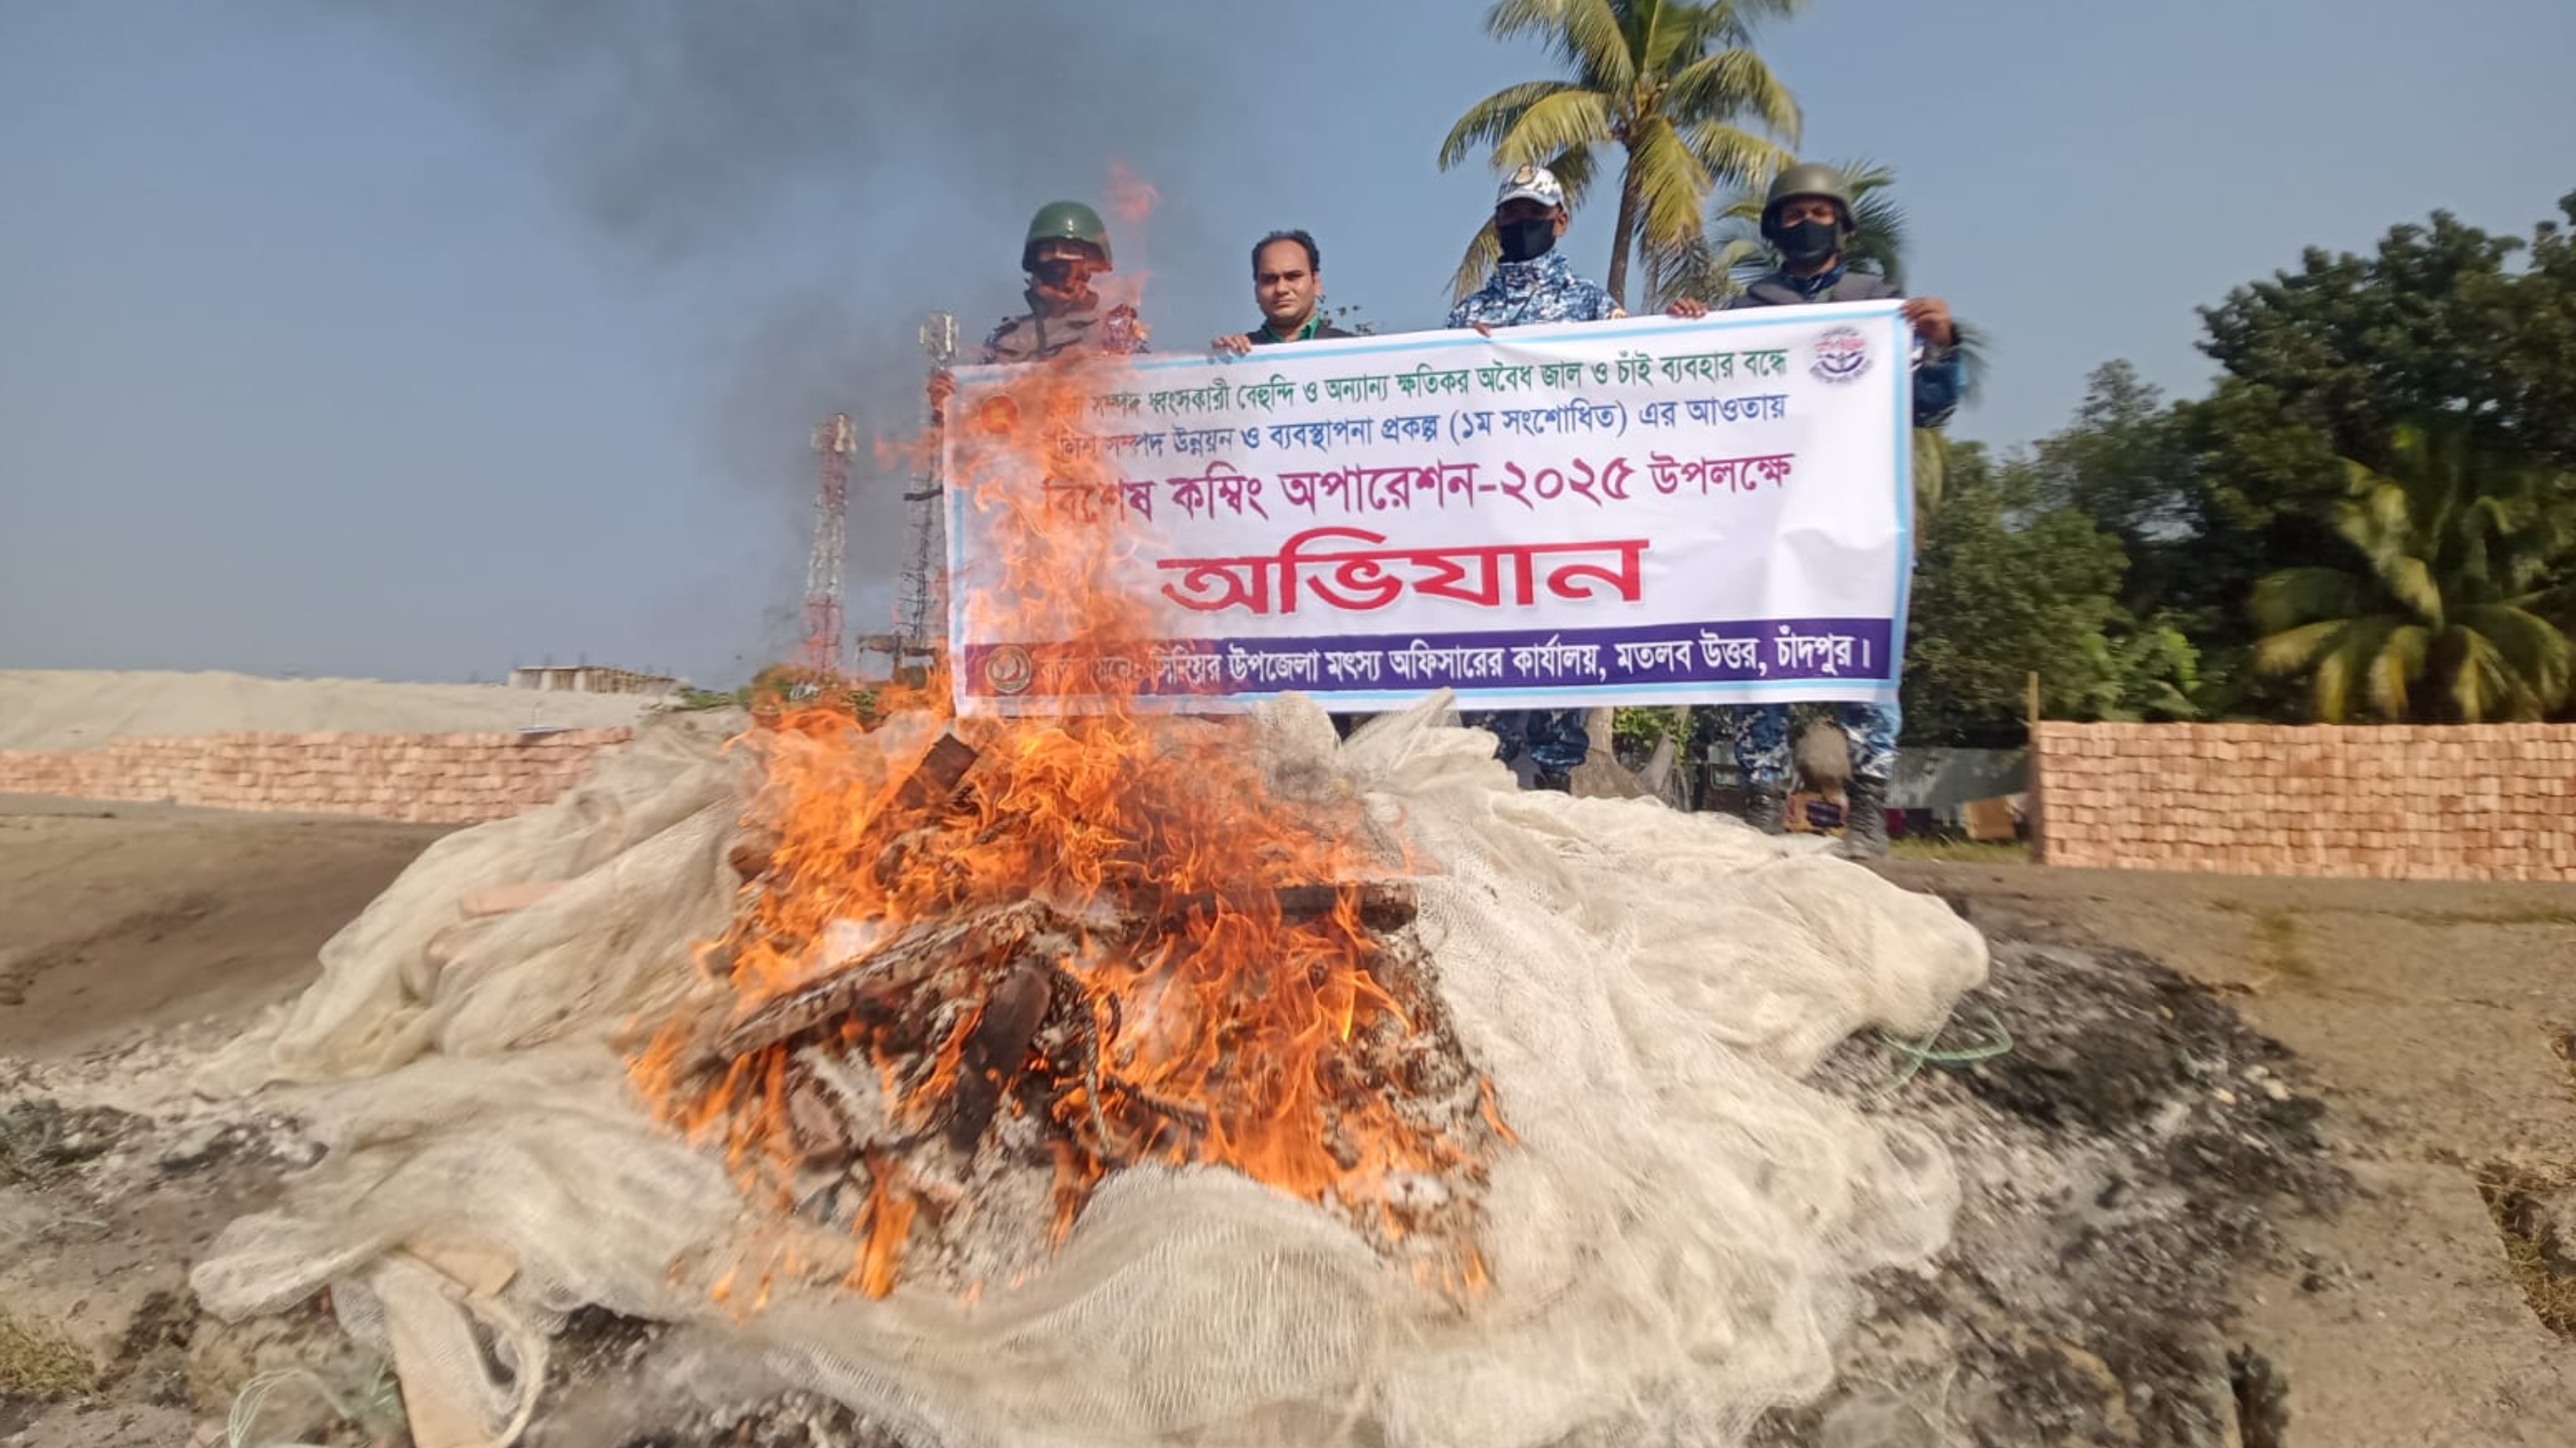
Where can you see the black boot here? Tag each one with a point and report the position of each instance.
(1865, 821)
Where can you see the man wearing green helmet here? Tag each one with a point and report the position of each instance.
(1807, 217)
(1067, 246)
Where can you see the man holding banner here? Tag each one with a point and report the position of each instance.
(1287, 282)
(1066, 247)
(1533, 282)
(1808, 217)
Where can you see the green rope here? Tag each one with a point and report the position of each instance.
(1919, 1054)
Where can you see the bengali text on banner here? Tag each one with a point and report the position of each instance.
(1642, 511)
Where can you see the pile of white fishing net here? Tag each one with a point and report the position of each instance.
(1673, 1243)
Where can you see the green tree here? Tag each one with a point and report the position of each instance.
(2536, 350)
(1677, 88)
(2121, 462)
(2148, 670)
(2439, 620)
(2438, 322)
(2004, 587)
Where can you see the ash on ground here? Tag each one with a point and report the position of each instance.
(2121, 1165)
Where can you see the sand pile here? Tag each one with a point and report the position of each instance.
(84, 708)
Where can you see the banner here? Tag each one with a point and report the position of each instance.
(1643, 511)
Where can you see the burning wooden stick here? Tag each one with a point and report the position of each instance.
(941, 770)
(874, 983)
(936, 778)
(879, 981)
(1384, 904)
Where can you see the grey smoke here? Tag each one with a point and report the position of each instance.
(697, 135)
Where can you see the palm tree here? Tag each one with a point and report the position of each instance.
(2439, 622)
(1672, 85)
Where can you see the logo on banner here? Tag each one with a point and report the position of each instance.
(1008, 670)
(1842, 355)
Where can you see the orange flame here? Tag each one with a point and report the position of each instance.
(1180, 1012)
(1131, 197)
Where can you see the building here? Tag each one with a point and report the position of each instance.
(592, 679)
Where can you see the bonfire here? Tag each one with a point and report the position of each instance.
(1071, 941)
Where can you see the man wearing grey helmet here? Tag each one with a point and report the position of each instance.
(1807, 217)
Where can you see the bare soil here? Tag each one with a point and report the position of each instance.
(132, 939)
(133, 916)
(2269, 1162)
(2430, 1021)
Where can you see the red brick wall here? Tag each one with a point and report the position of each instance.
(2493, 802)
(444, 778)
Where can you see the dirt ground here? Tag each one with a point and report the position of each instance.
(2429, 1023)
(132, 937)
(2432, 1020)
(127, 916)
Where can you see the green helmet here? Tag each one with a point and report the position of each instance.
(1064, 221)
(1807, 178)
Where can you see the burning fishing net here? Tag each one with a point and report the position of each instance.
(1109, 1077)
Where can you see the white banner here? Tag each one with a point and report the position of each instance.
(1640, 511)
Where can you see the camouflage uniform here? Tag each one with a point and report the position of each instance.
(1034, 337)
(1542, 289)
(1523, 293)
(1761, 736)
(1761, 731)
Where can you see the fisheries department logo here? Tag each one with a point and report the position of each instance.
(1842, 355)
(1008, 670)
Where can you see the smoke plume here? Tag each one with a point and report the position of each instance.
(834, 169)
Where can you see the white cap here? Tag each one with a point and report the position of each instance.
(1532, 183)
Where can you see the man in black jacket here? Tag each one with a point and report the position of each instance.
(1287, 282)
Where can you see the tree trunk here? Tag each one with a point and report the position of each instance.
(1623, 236)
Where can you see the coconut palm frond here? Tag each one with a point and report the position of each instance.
(1489, 120)
(2445, 620)
(2296, 596)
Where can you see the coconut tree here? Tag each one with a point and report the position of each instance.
(2438, 621)
(1677, 89)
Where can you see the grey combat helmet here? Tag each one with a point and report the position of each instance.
(1807, 178)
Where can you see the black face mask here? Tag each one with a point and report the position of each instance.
(1054, 273)
(1526, 239)
(1810, 242)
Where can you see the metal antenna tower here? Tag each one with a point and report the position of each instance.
(920, 607)
(834, 441)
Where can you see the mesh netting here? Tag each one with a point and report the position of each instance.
(1673, 1243)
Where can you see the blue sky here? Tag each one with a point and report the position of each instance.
(415, 341)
